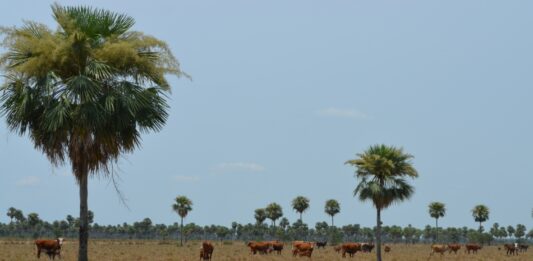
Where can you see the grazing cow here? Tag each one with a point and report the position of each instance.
(321, 244)
(523, 247)
(453, 248)
(277, 246)
(440, 249)
(350, 248)
(387, 249)
(261, 247)
(472, 247)
(367, 247)
(337, 249)
(206, 251)
(51, 247)
(302, 248)
(511, 249)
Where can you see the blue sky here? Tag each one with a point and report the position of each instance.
(284, 92)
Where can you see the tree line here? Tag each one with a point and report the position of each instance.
(32, 226)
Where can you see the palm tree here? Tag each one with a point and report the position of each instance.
(182, 205)
(480, 214)
(85, 92)
(11, 213)
(436, 211)
(300, 204)
(332, 208)
(273, 212)
(381, 171)
(260, 215)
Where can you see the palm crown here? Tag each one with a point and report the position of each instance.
(437, 210)
(182, 206)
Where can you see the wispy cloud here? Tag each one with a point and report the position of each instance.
(342, 113)
(238, 167)
(181, 178)
(28, 181)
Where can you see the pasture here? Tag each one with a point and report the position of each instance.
(24, 250)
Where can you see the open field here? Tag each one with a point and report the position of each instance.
(14, 250)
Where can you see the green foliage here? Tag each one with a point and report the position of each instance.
(260, 215)
(273, 212)
(437, 210)
(182, 205)
(480, 214)
(300, 204)
(332, 208)
(86, 90)
(381, 170)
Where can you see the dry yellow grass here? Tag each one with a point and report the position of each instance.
(14, 250)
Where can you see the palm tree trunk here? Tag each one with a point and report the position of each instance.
(378, 235)
(84, 222)
(331, 220)
(301, 220)
(436, 230)
(181, 232)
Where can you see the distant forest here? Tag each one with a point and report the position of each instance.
(31, 226)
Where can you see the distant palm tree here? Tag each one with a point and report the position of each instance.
(381, 170)
(84, 92)
(436, 211)
(480, 214)
(12, 213)
(182, 206)
(332, 208)
(273, 212)
(260, 215)
(300, 204)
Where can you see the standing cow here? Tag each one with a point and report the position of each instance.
(206, 251)
(50, 246)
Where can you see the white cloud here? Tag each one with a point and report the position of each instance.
(342, 113)
(181, 178)
(239, 167)
(28, 181)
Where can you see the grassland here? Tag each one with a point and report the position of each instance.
(103, 250)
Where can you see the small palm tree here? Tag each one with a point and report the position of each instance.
(182, 205)
(260, 215)
(84, 92)
(381, 171)
(480, 214)
(300, 204)
(436, 211)
(273, 212)
(332, 208)
(12, 213)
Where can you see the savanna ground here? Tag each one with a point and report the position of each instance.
(24, 250)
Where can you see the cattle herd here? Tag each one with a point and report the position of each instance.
(52, 248)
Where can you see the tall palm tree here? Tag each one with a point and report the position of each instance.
(436, 211)
(300, 204)
(182, 205)
(273, 212)
(332, 208)
(260, 215)
(480, 214)
(381, 171)
(85, 92)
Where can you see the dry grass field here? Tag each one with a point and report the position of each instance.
(14, 250)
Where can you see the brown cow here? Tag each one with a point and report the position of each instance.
(387, 249)
(453, 248)
(302, 248)
(206, 251)
(472, 247)
(350, 248)
(337, 249)
(511, 249)
(438, 249)
(51, 247)
(261, 247)
(277, 246)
